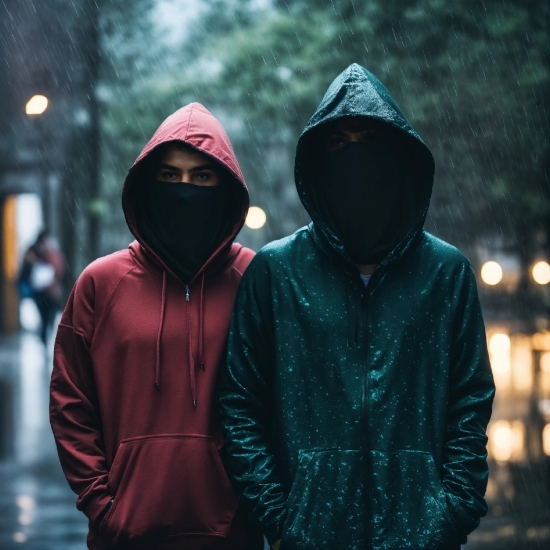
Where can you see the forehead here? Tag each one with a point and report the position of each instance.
(351, 124)
(178, 154)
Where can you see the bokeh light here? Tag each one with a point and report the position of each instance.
(256, 218)
(36, 105)
(541, 273)
(25, 502)
(546, 440)
(499, 344)
(491, 273)
(502, 440)
(19, 537)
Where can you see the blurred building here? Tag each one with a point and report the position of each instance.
(516, 307)
(48, 129)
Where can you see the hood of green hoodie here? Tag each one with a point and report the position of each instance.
(357, 92)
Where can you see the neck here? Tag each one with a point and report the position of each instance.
(366, 269)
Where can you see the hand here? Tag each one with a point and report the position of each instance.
(276, 545)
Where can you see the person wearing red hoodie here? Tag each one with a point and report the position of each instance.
(138, 349)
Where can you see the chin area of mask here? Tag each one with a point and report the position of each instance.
(359, 198)
(184, 223)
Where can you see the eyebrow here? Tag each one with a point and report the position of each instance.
(203, 167)
(170, 167)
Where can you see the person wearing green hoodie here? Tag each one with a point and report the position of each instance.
(357, 389)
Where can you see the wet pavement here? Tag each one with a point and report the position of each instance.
(37, 508)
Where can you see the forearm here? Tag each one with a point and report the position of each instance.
(253, 469)
(76, 424)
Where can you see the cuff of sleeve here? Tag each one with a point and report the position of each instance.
(274, 530)
(95, 500)
(462, 522)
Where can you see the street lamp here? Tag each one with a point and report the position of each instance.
(256, 218)
(36, 105)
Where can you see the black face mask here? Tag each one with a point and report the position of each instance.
(359, 198)
(184, 223)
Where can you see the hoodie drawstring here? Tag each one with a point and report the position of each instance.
(191, 358)
(201, 337)
(201, 325)
(162, 304)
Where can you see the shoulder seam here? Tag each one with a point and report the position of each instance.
(108, 301)
(239, 272)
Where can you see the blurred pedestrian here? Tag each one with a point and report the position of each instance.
(358, 387)
(40, 279)
(139, 346)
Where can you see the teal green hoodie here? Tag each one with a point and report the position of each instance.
(355, 416)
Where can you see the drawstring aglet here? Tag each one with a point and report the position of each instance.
(157, 386)
(194, 403)
(202, 366)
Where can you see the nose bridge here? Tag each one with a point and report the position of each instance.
(185, 175)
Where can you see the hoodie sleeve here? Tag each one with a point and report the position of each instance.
(246, 398)
(74, 408)
(471, 392)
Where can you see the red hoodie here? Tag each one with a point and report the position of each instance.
(135, 366)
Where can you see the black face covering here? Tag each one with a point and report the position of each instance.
(359, 198)
(184, 223)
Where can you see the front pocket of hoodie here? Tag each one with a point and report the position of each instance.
(168, 486)
(409, 508)
(325, 507)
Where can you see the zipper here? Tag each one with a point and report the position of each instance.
(187, 293)
(365, 406)
(365, 341)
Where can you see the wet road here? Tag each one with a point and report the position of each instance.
(37, 508)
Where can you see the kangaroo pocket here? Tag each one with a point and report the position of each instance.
(167, 486)
(325, 507)
(408, 502)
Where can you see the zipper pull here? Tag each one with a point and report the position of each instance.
(187, 293)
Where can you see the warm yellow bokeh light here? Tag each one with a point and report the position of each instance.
(541, 340)
(36, 105)
(499, 344)
(501, 364)
(502, 440)
(546, 439)
(541, 273)
(491, 273)
(256, 218)
(545, 362)
(522, 363)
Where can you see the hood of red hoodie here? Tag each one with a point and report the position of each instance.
(197, 127)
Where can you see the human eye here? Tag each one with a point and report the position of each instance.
(205, 177)
(370, 135)
(335, 141)
(168, 175)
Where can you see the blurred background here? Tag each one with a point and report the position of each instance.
(84, 84)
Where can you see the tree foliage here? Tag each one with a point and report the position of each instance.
(471, 76)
